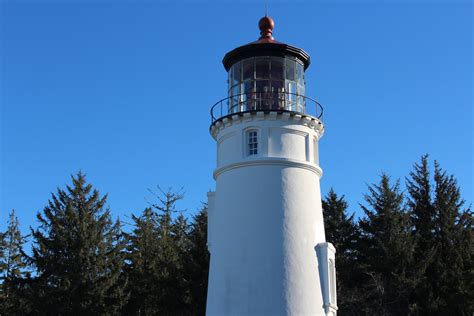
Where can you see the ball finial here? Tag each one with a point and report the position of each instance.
(266, 25)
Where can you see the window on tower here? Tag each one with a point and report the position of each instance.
(252, 142)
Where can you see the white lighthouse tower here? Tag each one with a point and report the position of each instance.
(269, 255)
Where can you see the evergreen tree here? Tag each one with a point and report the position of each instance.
(444, 248)
(180, 234)
(157, 251)
(453, 266)
(172, 246)
(78, 255)
(423, 216)
(198, 263)
(466, 246)
(420, 203)
(386, 251)
(12, 269)
(142, 266)
(342, 232)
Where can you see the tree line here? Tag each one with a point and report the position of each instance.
(411, 253)
(83, 263)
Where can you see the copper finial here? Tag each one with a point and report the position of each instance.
(266, 26)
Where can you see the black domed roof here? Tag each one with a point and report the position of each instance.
(266, 45)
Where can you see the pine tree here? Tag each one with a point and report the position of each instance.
(386, 251)
(78, 255)
(342, 232)
(198, 263)
(453, 266)
(12, 269)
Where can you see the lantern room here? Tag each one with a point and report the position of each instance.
(265, 75)
(266, 82)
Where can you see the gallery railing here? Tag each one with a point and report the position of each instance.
(266, 101)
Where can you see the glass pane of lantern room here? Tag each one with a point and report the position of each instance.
(249, 88)
(235, 98)
(300, 104)
(249, 95)
(290, 69)
(229, 81)
(263, 86)
(278, 95)
(248, 68)
(263, 94)
(276, 67)
(291, 96)
(300, 74)
(262, 67)
(301, 99)
(236, 74)
(236, 90)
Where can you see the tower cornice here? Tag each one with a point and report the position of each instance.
(236, 118)
(270, 161)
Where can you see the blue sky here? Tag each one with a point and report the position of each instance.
(121, 90)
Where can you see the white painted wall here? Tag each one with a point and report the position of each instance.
(265, 219)
(326, 253)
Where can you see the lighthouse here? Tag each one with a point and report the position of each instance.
(269, 254)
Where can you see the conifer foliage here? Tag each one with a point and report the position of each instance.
(453, 267)
(444, 247)
(157, 253)
(423, 218)
(198, 262)
(12, 267)
(386, 250)
(77, 255)
(142, 267)
(343, 233)
(410, 253)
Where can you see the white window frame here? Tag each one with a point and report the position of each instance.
(251, 142)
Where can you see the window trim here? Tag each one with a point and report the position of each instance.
(253, 140)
